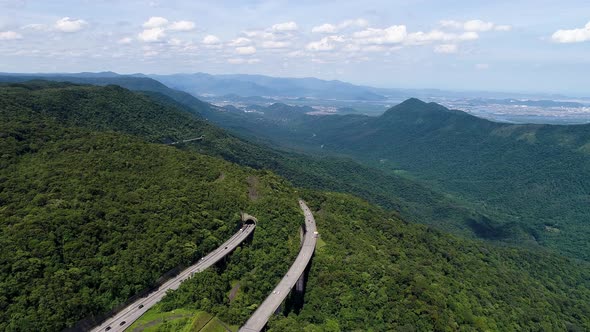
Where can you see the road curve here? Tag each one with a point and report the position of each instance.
(261, 316)
(131, 313)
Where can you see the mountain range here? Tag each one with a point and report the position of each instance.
(96, 206)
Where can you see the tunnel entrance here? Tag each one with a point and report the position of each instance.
(248, 219)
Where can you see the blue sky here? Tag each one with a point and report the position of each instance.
(498, 45)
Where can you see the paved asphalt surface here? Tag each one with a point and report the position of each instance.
(260, 317)
(131, 313)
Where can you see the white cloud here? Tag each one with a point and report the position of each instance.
(331, 28)
(246, 50)
(474, 25)
(67, 24)
(446, 48)
(182, 26)
(451, 24)
(482, 66)
(285, 27)
(572, 35)
(325, 28)
(155, 28)
(275, 44)
(10, 35)
(466, 36)
(36, 27)
(240, 61)
(359, 22)
(392, 35)
(241, 41)
(155, 22)
(211, 40)
(151, 35)
(325, 44)
(478, 25)
(125, 40)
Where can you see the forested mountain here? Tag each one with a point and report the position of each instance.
(91, 217)
(94, 208)
(532, 180)
(415, 202)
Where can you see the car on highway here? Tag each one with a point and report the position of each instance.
(122, 323)
(140, 306)
(108, 328)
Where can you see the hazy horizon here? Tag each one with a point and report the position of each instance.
(459, 46)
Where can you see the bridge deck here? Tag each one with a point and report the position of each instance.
(132, 312)
(261, 316)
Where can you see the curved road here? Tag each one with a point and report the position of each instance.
(260, 317)
(131, 313)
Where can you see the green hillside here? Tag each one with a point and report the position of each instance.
(374, 272)
(161, 122)
(90, 218)
(92, 212)
(530, 181)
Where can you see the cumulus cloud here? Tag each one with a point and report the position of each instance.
(334, 28)
(573, 35)
(155, 22)
(285, 27)
(478, 25)
(246, 50)
(181, 26)
(446, 48)
(151, 35)
(211, 40)
(155, 28)
(67, 24)
(241, 41)
(10, 35)
(325, 28)
(325, 44)
(420, 38)
(275, 44)
(392, 35)
(474, 25)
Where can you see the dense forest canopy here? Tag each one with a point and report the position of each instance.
(530, 182)
(94, 208)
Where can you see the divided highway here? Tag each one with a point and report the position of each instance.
(261, 316)
(131, 313)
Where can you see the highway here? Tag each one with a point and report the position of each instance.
(131, 313)
(261, 316)
(188, 140)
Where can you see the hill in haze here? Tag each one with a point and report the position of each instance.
(258, 85)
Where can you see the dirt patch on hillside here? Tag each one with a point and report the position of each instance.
(221, 177)
(253, 183)
(234, 292)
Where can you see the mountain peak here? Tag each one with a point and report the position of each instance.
(415, 105)
(412, 102)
